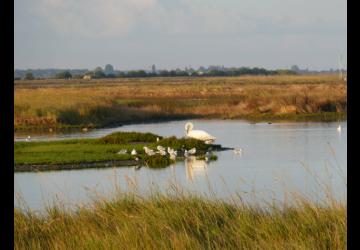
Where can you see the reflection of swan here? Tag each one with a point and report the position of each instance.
(194, 167)
(198, 134)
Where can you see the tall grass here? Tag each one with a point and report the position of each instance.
(54, 103)
(183, 221)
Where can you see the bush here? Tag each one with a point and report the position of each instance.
(127, 137)
(186, 143)
(63, 75)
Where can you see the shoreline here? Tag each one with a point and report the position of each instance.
(72, 166)
(313, 117)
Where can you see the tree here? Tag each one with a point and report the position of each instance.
(29, 76)
(63, 75)
(109, 69)
(98, 73)
(295, 68)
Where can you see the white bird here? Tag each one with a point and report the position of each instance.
(198, 134)
(157, 139)
(28, 138)
(186, 154)
(122, 151)
(173, 157)
(192, 151)
(148, 151)
(160, 148)
(171, 151)
(339, 128)
(238, 151)
(133, 152)
(162, 152)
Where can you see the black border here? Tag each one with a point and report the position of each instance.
(7, 130)
(352, 128)
(6, 125)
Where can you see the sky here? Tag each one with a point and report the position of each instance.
(135, 34)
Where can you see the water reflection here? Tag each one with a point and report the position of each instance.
(194, 167)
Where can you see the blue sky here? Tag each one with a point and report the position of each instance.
(134, 34)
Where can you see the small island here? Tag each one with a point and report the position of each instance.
(116, 149)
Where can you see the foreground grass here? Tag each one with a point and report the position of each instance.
(45, 104)
(183, 222)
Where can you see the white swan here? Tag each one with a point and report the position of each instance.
(133, 152)
(198, 134)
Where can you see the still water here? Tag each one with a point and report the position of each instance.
(276, 157)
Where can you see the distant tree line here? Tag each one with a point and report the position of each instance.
(109, 72)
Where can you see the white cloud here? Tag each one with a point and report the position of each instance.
(93, 17)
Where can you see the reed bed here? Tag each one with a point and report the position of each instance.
(183, 221)
(98, 103)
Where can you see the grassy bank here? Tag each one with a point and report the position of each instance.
(183, 222)
(102, 152)
(55, 104)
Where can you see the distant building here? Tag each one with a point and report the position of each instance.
(87, 77)
(153, 69)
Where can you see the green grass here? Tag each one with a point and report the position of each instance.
(128, 137)
(183, 222)
(78, 151)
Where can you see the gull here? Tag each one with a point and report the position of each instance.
(171, 151)
(162, 152)
(238, 151)
(339, 128)
(133, 152)
(122, 151)
(186, 154)
(192, 151)
(160, 148)
(198, 134)
(148, 151)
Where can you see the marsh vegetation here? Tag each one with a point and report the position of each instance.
(103, 152)
(45, 104)
(183, 221)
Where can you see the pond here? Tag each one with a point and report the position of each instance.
(276, 157)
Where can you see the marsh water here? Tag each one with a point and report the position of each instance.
(276, 158)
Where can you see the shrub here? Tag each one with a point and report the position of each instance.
(186, 143)
(127, 137)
